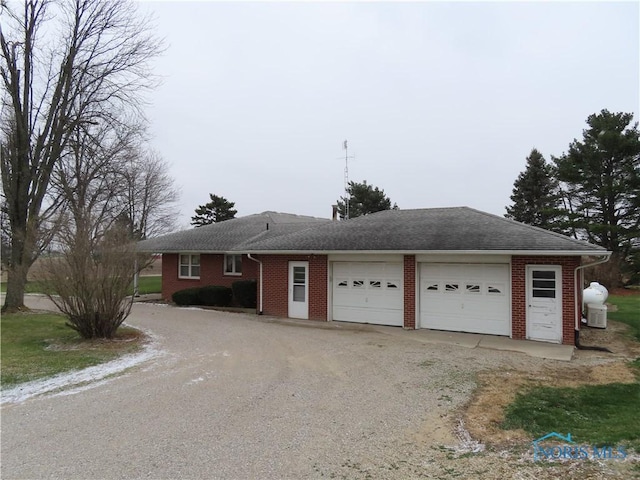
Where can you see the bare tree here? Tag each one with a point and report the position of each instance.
(89, 279)
(65, 65)
(150, 196)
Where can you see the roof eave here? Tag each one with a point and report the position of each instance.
(537, 253)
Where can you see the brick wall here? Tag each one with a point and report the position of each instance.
(410, 291)
(519, 294)
(275, 270)
(211, 273)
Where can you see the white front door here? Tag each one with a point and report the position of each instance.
(544, 303)
(299, 290)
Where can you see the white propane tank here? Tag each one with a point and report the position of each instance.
(593, 295)
(602, 288)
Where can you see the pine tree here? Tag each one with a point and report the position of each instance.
(364, 199)
(536, 196)
(217, 210)
(600, 178)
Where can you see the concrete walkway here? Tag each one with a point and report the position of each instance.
(468, 340)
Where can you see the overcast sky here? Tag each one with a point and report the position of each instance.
(440, 102)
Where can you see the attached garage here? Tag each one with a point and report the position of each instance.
(368, 292)
(471, 298)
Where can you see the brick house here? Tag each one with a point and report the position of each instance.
(212, 254)
(454, 269)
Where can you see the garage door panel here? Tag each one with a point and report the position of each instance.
(368, 292)
(465, 297)
(367, 315)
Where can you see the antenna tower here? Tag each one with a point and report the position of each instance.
(346, 179)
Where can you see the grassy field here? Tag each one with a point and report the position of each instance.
(149, 284)
(146, 284)
(38, 345)
(628, 312)
(594, 414)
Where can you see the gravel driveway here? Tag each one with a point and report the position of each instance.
(236, 396)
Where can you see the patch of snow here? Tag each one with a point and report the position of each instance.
(84, 379)
(467, 444)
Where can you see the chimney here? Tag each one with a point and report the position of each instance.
(335, 212)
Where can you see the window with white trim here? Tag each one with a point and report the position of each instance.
(189, 266)
(233, 264)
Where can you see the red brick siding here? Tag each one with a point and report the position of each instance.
(211, 273)
(410, 291)
(519, 294)
(275, 270)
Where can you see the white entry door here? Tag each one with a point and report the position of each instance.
(299, 290)
(544, 303)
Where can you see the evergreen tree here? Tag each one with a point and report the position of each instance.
(217, 210)
(364, 199)
(536, 197)
(600, 178)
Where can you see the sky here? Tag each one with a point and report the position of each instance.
(440, 102)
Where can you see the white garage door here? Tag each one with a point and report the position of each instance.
(368, 292)
(465, 298)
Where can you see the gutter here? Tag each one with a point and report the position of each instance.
(604, 258)
(531, 253)
(259, 263)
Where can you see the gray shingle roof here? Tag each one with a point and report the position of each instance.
(434, 229)
(231, 234)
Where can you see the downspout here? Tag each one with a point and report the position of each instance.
(136, 274)
(578, 311)
(260, 274)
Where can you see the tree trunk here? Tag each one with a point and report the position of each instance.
(21, 258)
(16, 282)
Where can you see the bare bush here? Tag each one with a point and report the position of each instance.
(91, 285)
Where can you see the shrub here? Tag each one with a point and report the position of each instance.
(210, 295)
(245, 293)
(188, 296)
(214, 296)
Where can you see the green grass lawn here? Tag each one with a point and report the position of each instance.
(31, 287)
(628, 312)
(146, 284)
(594, 414)
(38, 345)
(149, 285)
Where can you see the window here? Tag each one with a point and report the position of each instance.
(233, 264)
(189, 266)
(432, 287)
(473, 288)
(451, 287)
(495, 289)
(343, 283)
(299, 283)
(358, 283)
(392, 284)
(544, 284)
(374, 284)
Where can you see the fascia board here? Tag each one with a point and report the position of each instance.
(538, 253)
